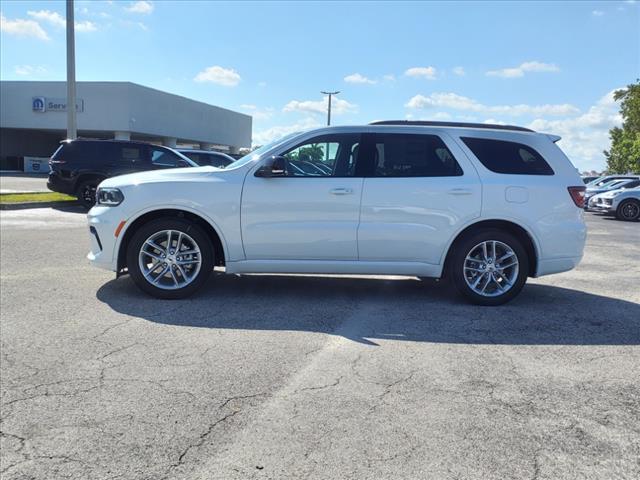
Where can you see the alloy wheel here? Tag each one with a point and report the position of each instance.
(170, 259)
(491, 268)
(630, 210)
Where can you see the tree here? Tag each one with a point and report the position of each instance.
(624, 155)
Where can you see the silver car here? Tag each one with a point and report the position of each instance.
(623, 203)
(608, 187)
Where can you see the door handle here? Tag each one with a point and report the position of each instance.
(341, 191)
(460, 191)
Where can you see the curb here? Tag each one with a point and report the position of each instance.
(26, 205)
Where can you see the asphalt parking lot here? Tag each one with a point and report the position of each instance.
(23, 182)
(273, 377)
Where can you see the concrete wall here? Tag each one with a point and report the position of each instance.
(125, 107)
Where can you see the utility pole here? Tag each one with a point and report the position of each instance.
(72, 132)
(331, 94)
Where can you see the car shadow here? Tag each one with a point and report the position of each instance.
(365, 310)
(72, 207)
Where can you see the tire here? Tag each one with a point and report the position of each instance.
(467, 273)
(86, 192)
(628, 210)
(183, 274)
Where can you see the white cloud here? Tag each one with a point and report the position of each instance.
(597, 13)
(441, 116)
(421, 72)
(359, 79)
(142, 6)
(263, 137)
(459, 102)
(256, 112)
(226, 77)
(57, 20)
(519, 71)
(29, 70)
(389, 77)
(493, 121)
(459, 71)
(53, 18)
(22, 28)
(585, 136)
(338, 106)
(86, 26)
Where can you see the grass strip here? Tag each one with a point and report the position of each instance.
(35, 197)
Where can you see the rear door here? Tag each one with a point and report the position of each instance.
(122, 158)
(419, 190)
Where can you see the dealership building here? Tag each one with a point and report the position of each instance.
(33, 119)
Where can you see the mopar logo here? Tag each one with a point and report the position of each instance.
(47, 104)
(38, 104)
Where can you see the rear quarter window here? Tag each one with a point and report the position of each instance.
(514, 158)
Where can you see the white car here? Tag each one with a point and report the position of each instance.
(623, 203)
(486, 205)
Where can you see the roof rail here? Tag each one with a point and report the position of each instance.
(428, 123)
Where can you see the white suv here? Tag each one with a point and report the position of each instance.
(485, 205)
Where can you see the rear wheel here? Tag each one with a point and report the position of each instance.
(86, 192)
(489, 267)
(628, 210)
(170, 258)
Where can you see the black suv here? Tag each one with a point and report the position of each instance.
(78, 166)
(208, 157)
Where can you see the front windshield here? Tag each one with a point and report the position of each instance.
(257, 153)
(614, 185)
(606, 185)
(593, 182)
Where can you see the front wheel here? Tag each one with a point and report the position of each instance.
(489, 267)
(628, 210)
(170, 258)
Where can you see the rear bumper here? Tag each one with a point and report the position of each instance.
(56, 183)
(557, 265)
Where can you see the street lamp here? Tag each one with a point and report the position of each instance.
(71, 74)
(329, 111)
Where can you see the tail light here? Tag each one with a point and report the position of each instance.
(577, 195)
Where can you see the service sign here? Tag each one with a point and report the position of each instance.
(45, 104)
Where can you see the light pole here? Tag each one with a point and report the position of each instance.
(71, 74)
(331, 94)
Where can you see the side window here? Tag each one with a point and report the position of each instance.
(164, 158)
(325, 156)
(131, 154)
(508, 157)
(405, 155)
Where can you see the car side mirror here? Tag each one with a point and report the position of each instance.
(273, 167)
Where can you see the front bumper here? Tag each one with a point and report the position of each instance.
(103, 222)
(602, 205)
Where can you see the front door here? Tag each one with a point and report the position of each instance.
(312, 211)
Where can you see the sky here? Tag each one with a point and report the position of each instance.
(550, 66)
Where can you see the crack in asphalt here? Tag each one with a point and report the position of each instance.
(199, 442)
(321, 387)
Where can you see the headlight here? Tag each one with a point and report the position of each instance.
(109, 197)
